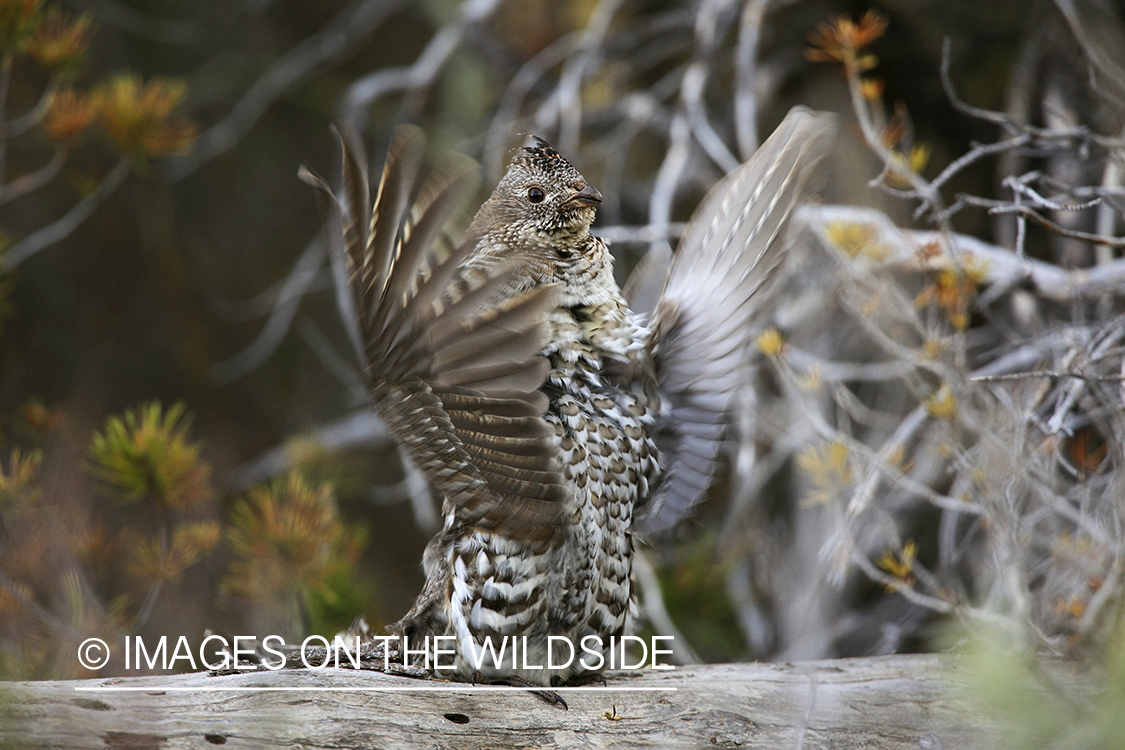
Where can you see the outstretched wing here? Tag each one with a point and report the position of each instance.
(455, 376)
(700, 326)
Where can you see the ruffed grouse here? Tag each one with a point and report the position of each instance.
(515, 376)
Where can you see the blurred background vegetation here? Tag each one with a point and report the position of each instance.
(185, 443)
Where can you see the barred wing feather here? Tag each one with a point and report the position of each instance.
(455, 377)
(700, 325)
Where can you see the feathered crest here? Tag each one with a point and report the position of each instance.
(541, 154)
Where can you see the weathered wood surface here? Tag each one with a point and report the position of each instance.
(875, 703)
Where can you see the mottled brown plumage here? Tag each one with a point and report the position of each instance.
(516, 377)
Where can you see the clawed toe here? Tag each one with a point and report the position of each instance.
(551, 697)
(588, 679)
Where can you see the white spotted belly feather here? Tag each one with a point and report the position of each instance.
(502, 588)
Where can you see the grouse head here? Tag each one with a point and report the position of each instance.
(542, 201)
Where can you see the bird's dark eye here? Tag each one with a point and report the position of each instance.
(535, 195)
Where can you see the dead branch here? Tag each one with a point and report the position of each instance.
(873, 703)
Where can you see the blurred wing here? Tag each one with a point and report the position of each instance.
(700, 327)
(456, 381)
(643, 287)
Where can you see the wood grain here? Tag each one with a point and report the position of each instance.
(874, 703)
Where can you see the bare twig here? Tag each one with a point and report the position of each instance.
(361, 428)
(746, 62)
(133, 21)
(37, 179)
(34, 116)
(652, 602)
(41, 614)
(305, 270)
(522, 83)
(710, 26)
(1045, 374)
(642, 235)
(1030, 213)
(1001, 266)
(333, 42)
(62, 228)
(364, 92)
(347, 375)
(668, 178)
(899, 586)
(574, 70)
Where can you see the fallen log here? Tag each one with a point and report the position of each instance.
(908, 701)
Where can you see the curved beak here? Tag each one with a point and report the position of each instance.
(587, 196)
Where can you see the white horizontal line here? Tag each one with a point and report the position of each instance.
(297, 689)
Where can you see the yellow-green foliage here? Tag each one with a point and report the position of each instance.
(693, 592)
(900, 564)
(160, 559)
(104, 569)
(1041, 704)
(293, 548)
(59, 42)
(18, 21)
(139, 117)
(17, 488)
(145, 454)
(854, 239)
(828, 471)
